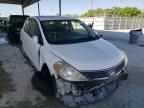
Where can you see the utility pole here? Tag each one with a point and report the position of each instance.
(59, 7)
(38, 9)
(91, 8)
(52, 11)
(22, 10)
(91, 5)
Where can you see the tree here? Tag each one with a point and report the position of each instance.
(99, 12)
(109, 12)
(72, 15)
(129, 12)
(90, 13)
(115, 11)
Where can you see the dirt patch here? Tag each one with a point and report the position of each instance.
(51, 102)
(5, 81)
(20, 73)
(8, 107)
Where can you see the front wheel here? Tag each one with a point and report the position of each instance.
(50, 80)
(55, 88)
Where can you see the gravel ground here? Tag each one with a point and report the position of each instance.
(18, 91)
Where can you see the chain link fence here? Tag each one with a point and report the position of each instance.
(114, 23)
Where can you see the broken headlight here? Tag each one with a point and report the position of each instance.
(67, 72)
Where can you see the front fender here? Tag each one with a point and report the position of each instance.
(47, 57)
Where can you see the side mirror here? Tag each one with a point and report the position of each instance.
(35, 39)
(90, 25)
(99, 34)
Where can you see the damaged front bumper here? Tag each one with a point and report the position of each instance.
(78, 93)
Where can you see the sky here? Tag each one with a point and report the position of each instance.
(50, 7)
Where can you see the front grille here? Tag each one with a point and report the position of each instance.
(104, 73)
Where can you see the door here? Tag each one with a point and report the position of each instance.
(30, 46)
(35, 45)
(26, 37)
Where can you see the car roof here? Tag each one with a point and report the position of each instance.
(18, 16)
(42, 18)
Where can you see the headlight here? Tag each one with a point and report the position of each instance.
(125, 57)
(67, 72)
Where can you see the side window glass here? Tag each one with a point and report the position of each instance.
(37, 30)
(27, 27)
(34, 29)
(78, 28)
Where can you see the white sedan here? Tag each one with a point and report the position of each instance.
(71, 56)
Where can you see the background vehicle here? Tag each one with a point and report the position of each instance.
(14, 26)
(3, 25)
(80, 66)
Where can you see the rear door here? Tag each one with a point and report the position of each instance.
(26, 37)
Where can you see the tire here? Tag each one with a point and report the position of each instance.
(45, 73)
(55, 89)
(40, 84)
(48, 78)
(51, 80)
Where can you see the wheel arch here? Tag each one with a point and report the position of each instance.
(44, 66)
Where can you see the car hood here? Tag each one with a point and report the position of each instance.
(93, 55)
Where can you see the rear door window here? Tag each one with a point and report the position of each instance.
(32, 29)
